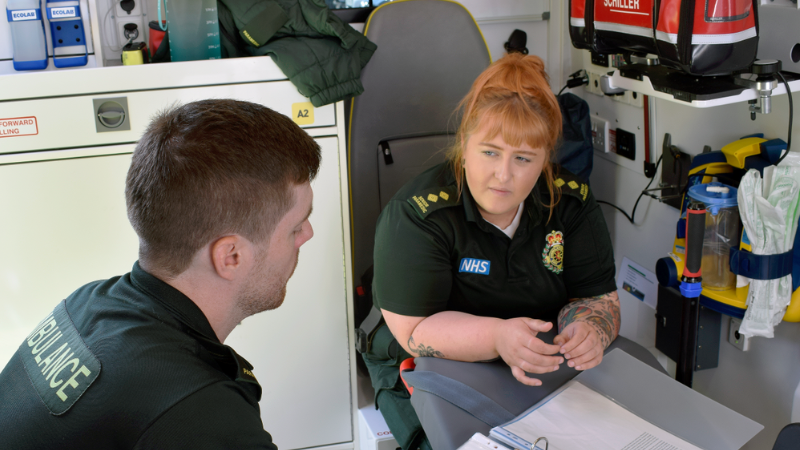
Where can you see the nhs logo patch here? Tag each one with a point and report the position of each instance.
(23, 14)
(472, 265)
(67, 11)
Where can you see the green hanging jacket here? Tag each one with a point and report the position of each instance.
(320, 54)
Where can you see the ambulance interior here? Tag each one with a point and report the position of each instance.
(67, 134)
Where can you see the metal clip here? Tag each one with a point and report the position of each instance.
(546, 444)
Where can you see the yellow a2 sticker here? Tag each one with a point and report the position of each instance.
(303, 113)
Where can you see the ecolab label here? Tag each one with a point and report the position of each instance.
(63, 12)
(18, 126)
(23, 14)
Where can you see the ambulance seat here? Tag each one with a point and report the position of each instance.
(788, 438)
(429, 53)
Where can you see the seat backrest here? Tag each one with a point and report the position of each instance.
(788, 438)
(429, 53)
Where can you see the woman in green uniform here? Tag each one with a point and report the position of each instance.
(475, 257)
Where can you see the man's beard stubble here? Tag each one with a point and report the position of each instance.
(254, 299)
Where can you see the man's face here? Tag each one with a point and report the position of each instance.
(276, 258)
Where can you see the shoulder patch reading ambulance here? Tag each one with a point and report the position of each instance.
(59, 364)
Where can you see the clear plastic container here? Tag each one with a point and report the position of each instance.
(193, 30)
(30, 49)
(723, 230)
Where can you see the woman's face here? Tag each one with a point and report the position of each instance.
(500, 176)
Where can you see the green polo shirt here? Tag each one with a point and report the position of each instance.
(435, 252)
(129, 363)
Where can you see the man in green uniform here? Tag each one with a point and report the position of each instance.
(219, 195)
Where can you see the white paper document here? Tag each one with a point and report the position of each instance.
(481, 442)
(578, 418)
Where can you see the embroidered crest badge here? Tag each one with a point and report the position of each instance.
(553, 253)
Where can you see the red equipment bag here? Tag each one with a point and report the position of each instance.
(707, 37)
(624, 25)
(699, 37)
(581, 23)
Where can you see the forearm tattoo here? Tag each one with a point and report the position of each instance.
(601, 312)
(422, 350)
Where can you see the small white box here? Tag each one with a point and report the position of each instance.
(373, 432)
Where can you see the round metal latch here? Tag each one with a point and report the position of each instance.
(766, 67)
(111, 114)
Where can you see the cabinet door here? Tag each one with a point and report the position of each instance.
(63, 224)
(300, 350)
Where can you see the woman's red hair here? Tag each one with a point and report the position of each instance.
(512, 97)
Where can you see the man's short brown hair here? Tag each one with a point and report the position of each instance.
(209, 169)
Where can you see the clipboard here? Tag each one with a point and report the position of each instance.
(657, 399)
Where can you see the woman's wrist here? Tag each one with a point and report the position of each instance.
(497, 327)
(602, 313)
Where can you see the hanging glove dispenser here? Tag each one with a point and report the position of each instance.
(66, 30)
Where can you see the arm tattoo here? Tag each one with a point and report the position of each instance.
(422, 350)
(601, 312)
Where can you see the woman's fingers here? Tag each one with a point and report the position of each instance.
(519, 374)
(582, 347)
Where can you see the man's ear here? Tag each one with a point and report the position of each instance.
(230, 256)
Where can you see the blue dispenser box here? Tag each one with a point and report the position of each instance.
(66, 30)
(27, 34)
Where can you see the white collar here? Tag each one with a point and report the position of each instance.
(512, 228)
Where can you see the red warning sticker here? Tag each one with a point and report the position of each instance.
(18, 126)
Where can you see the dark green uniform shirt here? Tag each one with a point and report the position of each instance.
(128, 363)
(435, 252)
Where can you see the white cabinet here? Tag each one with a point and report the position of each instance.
(63, 223)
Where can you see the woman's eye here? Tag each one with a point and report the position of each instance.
(489, 153)
(523, 159)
